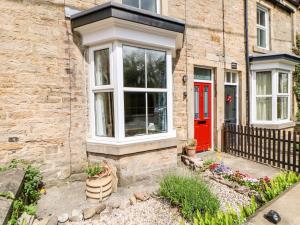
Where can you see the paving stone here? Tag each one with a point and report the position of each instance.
(6, 205)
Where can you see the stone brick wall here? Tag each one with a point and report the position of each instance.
(43, 74)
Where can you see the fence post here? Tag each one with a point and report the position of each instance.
(224, 138)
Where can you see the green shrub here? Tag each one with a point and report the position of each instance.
(93, 170)
(190, 194)
(230, 217)
(33, 179)
(278, 184)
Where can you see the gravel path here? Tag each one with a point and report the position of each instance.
(151, 212)
(228, 196)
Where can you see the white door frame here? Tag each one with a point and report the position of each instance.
(236, 84)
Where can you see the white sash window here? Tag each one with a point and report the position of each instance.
(271, 96)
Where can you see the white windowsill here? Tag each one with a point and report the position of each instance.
(132, 145)
(274, 125)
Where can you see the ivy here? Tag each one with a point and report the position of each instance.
(296, 50)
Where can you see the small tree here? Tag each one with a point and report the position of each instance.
(296, 50)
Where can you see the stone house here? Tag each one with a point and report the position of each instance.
(130, 81)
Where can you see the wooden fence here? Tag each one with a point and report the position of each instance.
(274, 147)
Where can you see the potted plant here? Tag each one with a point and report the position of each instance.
(98, 182)
(190, 147)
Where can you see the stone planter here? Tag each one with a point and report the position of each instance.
(99, 187)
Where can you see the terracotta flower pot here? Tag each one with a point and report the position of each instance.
(99, 187)
(190, 151)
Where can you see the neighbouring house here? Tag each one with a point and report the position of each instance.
(130, 81)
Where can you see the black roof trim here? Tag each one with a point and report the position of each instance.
(286, 56)
(294, 2)
(128, 13)
(282, 6)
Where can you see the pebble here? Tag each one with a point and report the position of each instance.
(153, 211)
(53, 220)
(89, 213)
(63, 218)
(228, 196)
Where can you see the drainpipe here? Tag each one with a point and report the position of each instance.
(247, 60)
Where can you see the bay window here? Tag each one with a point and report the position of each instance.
(130, 92)
(271, 96)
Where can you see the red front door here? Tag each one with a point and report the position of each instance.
(202, 117)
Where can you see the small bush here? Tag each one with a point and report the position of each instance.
(94, 170)
(190, 194)
(230, 217)
(33, 179)
(278, 184)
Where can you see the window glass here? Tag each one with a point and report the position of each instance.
(261, 17)
(135, 113)
(228, 77)
(205, 102)
(202, 74)
(101, 62)
(262, 38)
(134, 66)
(264, 83)
(264, 108)
(283, 83)
(196, 105)
(157, 112)
(156, 69)
(282, 108)
(104, 114)
(134, 3)
(149, 5)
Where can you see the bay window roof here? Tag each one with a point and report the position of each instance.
(278, 57)
(127, 13)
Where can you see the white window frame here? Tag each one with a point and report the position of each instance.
(265, 28)
(116, 67)
(158, 6)
(236, 84)
(274, 95)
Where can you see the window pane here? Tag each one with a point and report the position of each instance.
(135, 113)
(149, 5)
(282, 108)
(262, 18)
(258, 37)
(104, 114)
(134, 3)
(228, 77)
(264, 83)
(262, 38)
(196, 105)
(233, 77)
(205, 102)
(134, 66)
(156, 69)
(202, 74)
(264, 108)
(157, 112)
(102, 74)
(283, 83)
